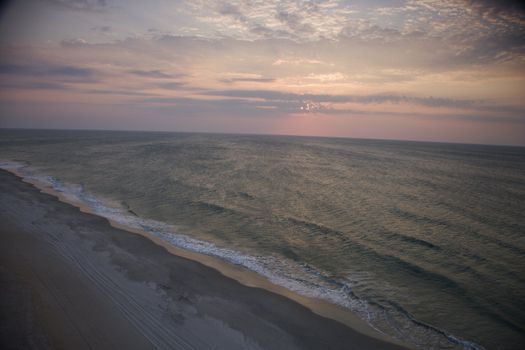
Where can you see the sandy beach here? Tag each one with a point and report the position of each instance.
(69, 280)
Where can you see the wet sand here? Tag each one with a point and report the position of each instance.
(69, 280)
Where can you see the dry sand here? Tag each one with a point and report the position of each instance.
(69, 280)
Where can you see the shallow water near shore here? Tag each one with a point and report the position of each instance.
(424, 241)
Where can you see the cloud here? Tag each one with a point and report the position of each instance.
(231, 10)
(69, 71)
(246, 80)
(300, 20)
(102, 29)
(174, 85)
(492, 7)
(46, 70)
(118, 92)
(155, 73)
(272, 95)
(295, 22)
(189, 106)
(80, 5)
(34, 86)
(245, 108)
(76, 42)
(365, 56)
(455, 31)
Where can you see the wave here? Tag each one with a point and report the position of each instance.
(482, 220)
(387, 318)
(411, 240)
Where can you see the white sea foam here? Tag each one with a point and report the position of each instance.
(298, 278)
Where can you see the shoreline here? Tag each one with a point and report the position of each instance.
(240, 274)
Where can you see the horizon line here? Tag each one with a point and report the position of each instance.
(269, 134)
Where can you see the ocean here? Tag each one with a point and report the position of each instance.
(424, 241)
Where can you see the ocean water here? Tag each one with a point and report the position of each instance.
(425, 241)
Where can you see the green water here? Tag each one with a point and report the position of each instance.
(424, 240)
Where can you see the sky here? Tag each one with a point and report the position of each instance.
(447, 70)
